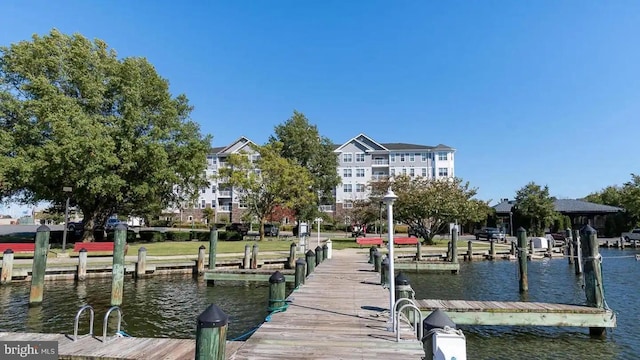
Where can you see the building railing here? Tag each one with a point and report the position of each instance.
(379, 177)
(224, 208)
(224, 193)
(380, 162)
(327, 208)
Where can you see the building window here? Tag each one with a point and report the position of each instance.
(204, 190)
(393, 172)
(443, 172)
(360, 157)
(359, 172)
(442, 156)
(242, 204)
(425, 156)
(359, 188)
(402, 157)
(412, 172)
(204, 204)
(392, 157)
(190, 218)
(347, 188)
(404, 171)
(412, 158)
(347, 157)
(346, 173)
(347, 205)
(424, 172)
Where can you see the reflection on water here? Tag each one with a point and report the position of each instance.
(549, 281)
(167, 306)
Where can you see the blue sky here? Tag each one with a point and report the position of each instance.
(544, 91)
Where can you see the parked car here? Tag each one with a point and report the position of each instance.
(271, 230)
(490, 233)
(113, 222)
(240, 228)
(634, 234)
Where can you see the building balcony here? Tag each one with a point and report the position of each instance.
(380, 162)
(327, 208)
(379, 177)
(224, 193)
(224, 208)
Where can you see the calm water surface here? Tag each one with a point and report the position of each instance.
(167, 306)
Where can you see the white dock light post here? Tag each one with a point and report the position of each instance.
(66, 189)
(389, 199)
(318, 220)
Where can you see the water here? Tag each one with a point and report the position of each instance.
(167, 306)
(549, 281)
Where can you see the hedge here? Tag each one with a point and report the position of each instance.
(152, 236)
(178, 235)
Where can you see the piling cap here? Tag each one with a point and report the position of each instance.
(437, 320)
(142, 248)
(276, 278)
(212, 317)
(301, 262)
(587, 229)
(318, 248)
(202, 247)
(121, 227)
(83, 250)
(43, 228)
(8, 251)
(385, 261)
(401, 279)
(521, 229)
(325, 246)
(310, 253)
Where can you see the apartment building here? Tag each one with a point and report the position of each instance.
(360, 160)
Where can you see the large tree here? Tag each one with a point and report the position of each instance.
(429, 205)
(109, 128)
(626, 196)
(303, 145)
(535, 206)
(268, 183)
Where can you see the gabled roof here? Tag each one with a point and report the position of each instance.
(233, 147)
(404, 146)
(216, 150)
(565, 206)
(365, 141)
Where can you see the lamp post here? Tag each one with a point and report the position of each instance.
(511, 222)
(389, 199)
(66, 189)
(318, 220)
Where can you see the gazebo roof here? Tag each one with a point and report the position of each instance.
(568, 206)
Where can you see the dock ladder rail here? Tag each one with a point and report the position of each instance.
(77, 319)
(395, 316)
(417, 320)
(106, 322)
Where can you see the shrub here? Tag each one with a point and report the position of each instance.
(203, 236)
(286, 227)
(178, 235)
(189, 225)
(152, 236)
(327, 227)
(401, 228)
(160, 223)
(99, 235)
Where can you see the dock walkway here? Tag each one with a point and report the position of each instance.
(336, 314)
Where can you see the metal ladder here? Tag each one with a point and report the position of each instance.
(397, 314)
(91, 316)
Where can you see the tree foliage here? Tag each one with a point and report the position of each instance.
(429, 205)
(626, 196)
(303, 145)
(535, 207)
(270, 182)
(77, 116)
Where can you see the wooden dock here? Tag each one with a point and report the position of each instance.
(515, 313)
(336, 314)
(427, 266)
(246, 274)
(92, 348)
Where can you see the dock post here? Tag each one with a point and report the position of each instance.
(254, 256)
(418, 250)
(569, 244)
(593, 281)
(141, 264)
(247, 257)
(39, 265)
(492, 251)
(277, 292)
(200, 264)
(513, 248)
(117, 271)
(550, 248)
(211, 334)
(82, 265)
(470, 251)
(522, 259)
(404, 291)
(7, 267)
(577, 241)
(531, 247)
(291, 260)
(325, 249)
(449, 251)
(384, 270)
(311, 261)
(622, 243)
(213, 248)
(329, 253)
(377, 261)
(372, 250)
(454, 246)
(300, 268)
(318, 255)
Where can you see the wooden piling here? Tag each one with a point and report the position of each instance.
(247, 257)
(311, 261)
(39, 265)
(200, 264)
(318, 255)
(7, 267)
(513, 248)
(211, 334)
(213, 248)
(254, 256)
(448, 258)
(454, 246)
(277, 292)
(593, 280)
(329, 253)
(492, 249)
(377, 261)
(569, 244)
(531, 249)
(141, 264)
(622, 243)
(291, 260)
(522, 259)
(372, 250)
(470, 250)
(300, 272)
(578, 251)
(325, 250)
(550, 248)
(117, 271)
(384, 272)
(418, 250)
(81, 273)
